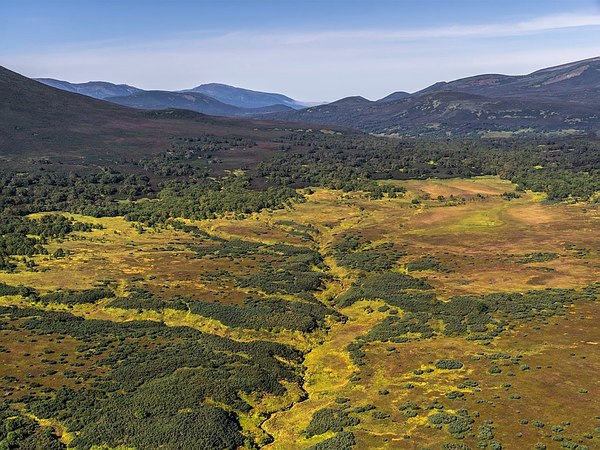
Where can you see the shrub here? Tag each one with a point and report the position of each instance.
(409, 405)
(77, 297)
(449, 364)
(381, 286)
(154, 371)
(454, 394)
(329, 419)
(426, 263)
(343, 440)
(494, 369)
(455, 446)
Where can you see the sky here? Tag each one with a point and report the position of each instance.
(310, 50)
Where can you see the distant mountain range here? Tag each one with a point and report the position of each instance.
(214, 98)
(193, 101)
(245, 98)
(95, 89)
(40, 125)
(563, 99)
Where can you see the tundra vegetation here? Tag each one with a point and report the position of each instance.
(345, 291)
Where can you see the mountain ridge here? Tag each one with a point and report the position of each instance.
(561, 99)
(229, 95)
(94, 89)
(50, 128)
(244, 98)
(193, 101)
(576, 81)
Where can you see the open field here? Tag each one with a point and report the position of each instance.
(532, 380)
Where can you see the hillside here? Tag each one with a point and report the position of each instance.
(573, 82)
(399, 95)
(450, 113)
(95, 89)
(41, 123)
(561, 99)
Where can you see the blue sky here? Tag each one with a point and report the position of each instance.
(308, 49)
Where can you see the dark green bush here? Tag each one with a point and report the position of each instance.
(343, 440)
(449, 364)
(329, 419)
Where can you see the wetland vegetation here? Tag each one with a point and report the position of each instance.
(345, 291)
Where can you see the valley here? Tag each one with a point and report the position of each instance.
(415, 272)
(356, 363)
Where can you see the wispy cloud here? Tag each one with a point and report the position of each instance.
(484, 30)
(291, 37)
(324, 65)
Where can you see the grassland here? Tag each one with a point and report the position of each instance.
(534, 383)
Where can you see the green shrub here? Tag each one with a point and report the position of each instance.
(153, 372)
(537, 257)
(329, 419)
(380, 286)
(494, 369)
(449, 364)
(426, 263)
(343, 440)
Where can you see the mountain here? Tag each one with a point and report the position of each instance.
(399, 95)
(573, 82)
(96, 89)
(244, 98)
(193, 101)
(451, 113)
(214, 98)
(355, 101)
(41, 125)
(560, 99)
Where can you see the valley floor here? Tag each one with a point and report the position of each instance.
(453, 316)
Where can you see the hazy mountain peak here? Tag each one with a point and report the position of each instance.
(223, 93)
(354, 99)
(193, 101)
(96, 89)
(244, 98)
